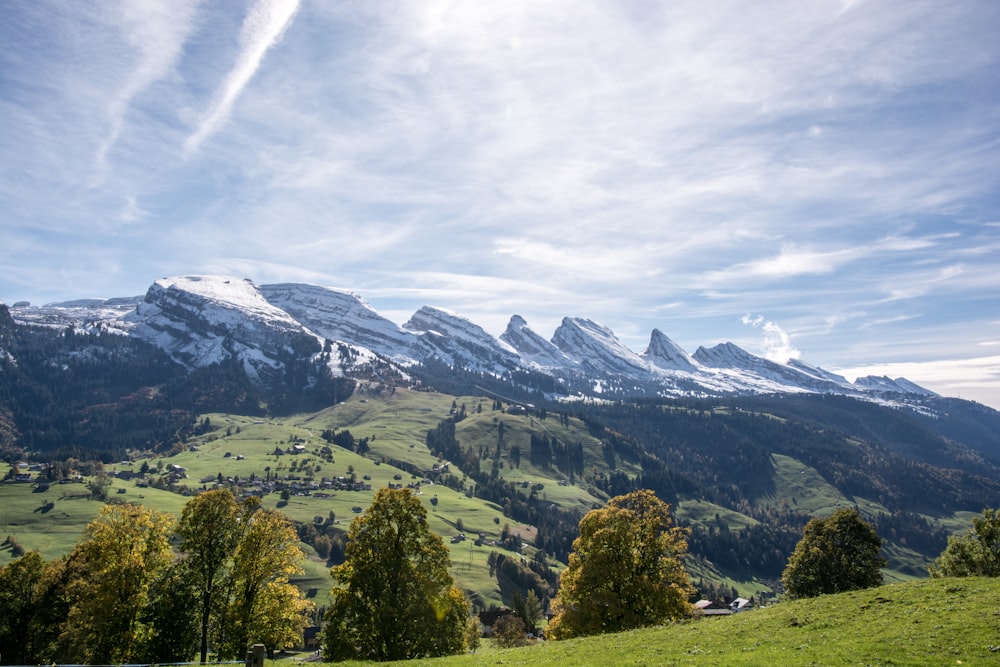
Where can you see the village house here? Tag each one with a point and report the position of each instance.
(711, 608)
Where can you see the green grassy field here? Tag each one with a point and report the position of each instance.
(396, 424)
(920, 623)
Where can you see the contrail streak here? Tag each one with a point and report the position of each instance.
(263, 27)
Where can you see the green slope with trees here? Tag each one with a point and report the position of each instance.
(746, 483)
(918, 623)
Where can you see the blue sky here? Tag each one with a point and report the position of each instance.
(804, 178)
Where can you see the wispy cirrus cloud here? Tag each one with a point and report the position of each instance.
(668, 165)
(156, 31)
(262, 28)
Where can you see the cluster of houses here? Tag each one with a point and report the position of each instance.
(296, 487)
(294, 484)
(26, 472)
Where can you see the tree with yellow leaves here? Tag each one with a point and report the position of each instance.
(122, 553)
(260, 605)
(625, 570)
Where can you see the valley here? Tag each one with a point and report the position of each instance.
(288, 462)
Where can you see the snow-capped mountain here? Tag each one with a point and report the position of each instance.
(595, 347)
(533, 348)
(729, 358)
(343, 316)
(201, 320)
(666, 354)
(458, 342)
(888, 385)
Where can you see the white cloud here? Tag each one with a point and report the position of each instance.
(262, 28)
(776, 344)
(565, 157)
(157, 32)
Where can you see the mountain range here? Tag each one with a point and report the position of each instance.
(204, 320)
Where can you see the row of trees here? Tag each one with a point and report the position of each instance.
(395, 599)
(124, 595)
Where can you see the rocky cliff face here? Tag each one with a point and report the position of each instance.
(201, 320)
(532, 348)
(457, 341)
(667, 355)
(340, 315)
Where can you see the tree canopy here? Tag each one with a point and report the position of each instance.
(625, 570)
(122, 595)
(394, 597)
(836, 554)
(260, 604)
(974, 554)
(208, 537)
(122, 552)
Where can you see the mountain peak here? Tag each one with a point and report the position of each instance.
(666, 354)
(341, 315)
(532, 347)
(886, 384)
(458, 341)
(595, 346)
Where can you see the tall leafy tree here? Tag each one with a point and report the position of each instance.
(122, 552)
(974, 554)
(625, 570)
(52, 607)
(394, 597)
(209, 528)
(840, 553)
(261, 606)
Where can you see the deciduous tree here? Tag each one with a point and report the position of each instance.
(261, 606)
(974, 554)
(625, 570)
(173, 617)
(122, 552)
(508, 631)
(394, 597)
(836, 554)
(208, 530)
(19, 588)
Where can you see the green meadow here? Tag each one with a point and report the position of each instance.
(395, 424)
(929, 622)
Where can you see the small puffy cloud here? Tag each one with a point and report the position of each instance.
(776, 344)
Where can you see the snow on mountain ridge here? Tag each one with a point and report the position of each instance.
(200, 320)
(457, 340)
(666, 354)
(792, 376)
(532, 347)
(887, 384)
(341, 315)
(595, 346)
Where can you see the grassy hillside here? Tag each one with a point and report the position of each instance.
(395, 424)
(929, 622)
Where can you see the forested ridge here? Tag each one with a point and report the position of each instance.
(97, 395)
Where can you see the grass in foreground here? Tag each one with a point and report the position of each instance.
(927, 622)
